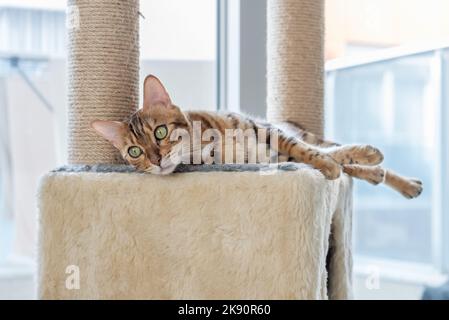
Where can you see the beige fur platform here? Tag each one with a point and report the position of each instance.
(197, 235)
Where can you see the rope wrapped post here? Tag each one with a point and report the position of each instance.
(295, 62)
(103, 66)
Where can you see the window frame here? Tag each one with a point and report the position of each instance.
(241, 56)
(444, 176)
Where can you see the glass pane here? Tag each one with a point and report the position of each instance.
(392, 106)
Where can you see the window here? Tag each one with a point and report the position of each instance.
(392, 104)
(178, 44)
(386, 76)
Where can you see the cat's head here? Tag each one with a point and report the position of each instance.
(149, 139)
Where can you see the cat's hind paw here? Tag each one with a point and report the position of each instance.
(370, 155)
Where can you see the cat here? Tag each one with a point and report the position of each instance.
(146, 141)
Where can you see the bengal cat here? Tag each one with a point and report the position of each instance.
(154, 140)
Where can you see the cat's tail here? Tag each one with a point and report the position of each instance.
(408, 187)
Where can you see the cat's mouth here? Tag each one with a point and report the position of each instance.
(163, 169)
(167, 170)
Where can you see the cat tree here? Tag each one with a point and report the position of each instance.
(214, 232)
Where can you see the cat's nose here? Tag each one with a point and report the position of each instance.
(155, 159)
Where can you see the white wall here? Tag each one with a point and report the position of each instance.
(191, 84)
(178, 30)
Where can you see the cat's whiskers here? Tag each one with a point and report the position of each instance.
(182, 154)
(153, 169)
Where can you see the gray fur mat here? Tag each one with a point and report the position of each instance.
(183, 168)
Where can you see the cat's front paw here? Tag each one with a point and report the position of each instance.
(329, 168)
(369, 155)
(412, 189)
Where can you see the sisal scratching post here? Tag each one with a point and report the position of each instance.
(295, 62)
(103, 73)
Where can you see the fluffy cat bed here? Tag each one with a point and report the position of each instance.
(206, 232)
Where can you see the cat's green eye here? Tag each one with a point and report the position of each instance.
(135, 152)
(161, 132)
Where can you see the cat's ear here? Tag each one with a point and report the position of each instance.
(154, 93)
(113, 131)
